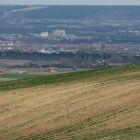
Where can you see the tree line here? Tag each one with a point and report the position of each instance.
(68, 59)
(43, 56)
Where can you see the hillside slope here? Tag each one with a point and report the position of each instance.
(94, 104)
(86, 12)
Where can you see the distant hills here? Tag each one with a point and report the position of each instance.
(68, 16)
(87, 12)
(6, 8)
(35, 19)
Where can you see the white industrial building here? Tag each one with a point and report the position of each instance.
(59, 33)
(44, 34)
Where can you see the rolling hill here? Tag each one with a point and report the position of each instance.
(86, 12)
(94, 104)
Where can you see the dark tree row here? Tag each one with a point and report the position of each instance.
(53, 56)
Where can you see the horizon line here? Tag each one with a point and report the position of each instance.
(64, 5)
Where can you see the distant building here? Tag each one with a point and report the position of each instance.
(44, 34)
(1, 72)
(59, 33)
(52, 69)
(9, 48)
(46, 46)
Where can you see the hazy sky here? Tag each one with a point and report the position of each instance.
(71, 2)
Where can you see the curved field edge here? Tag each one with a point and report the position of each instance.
(67, 77)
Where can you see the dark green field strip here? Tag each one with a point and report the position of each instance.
(23, 76)
(67, 77)
(45, 62)
(122, 134)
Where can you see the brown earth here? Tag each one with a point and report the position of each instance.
(71, 109)
(12, 62)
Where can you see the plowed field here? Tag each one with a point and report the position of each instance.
(105, 107)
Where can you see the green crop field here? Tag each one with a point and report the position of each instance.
(86, 105)
(9, 76)
(43, 62)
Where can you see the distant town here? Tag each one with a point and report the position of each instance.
(80, 39)
(25, 43)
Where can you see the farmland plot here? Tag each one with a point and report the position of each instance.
(100, 107)
(12, 62)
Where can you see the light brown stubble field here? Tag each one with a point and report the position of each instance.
(71, 109)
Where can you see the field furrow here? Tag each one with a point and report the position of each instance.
(106, 107)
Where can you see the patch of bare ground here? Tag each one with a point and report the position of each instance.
(71, 109)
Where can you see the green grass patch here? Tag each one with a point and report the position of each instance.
(17, 76)
(43, 62)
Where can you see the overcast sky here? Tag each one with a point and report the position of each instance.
(71, 2)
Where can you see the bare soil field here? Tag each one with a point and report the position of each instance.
(13, 62)
(105, 108)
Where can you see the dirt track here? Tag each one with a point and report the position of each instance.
(71, 109)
